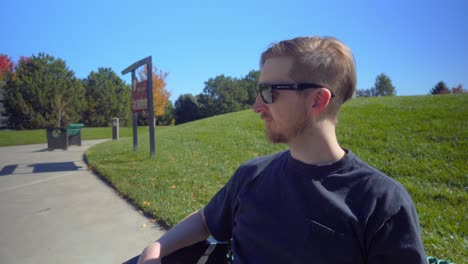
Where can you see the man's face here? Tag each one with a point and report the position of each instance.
(287, 117)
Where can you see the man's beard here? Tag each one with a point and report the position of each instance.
(298, 127)
(276, 138)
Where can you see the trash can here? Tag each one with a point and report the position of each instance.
(74, 134)
(57, 138)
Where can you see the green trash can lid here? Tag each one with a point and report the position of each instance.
(78, 125)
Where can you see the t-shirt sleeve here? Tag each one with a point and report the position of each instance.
(219, 211)
(398, 240)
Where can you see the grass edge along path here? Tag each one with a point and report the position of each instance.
(39, 136)
(420, 141)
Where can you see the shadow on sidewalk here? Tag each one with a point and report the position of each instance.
(40, 168)
(8, 169)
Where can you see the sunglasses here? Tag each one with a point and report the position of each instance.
(266, 89)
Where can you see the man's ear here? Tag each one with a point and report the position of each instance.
(320, 99)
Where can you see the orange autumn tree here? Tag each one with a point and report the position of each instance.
(160, 94)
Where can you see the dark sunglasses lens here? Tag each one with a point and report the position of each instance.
(265, 92)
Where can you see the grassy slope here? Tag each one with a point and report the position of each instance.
(421, 142)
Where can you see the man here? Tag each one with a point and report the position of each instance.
(316, 202)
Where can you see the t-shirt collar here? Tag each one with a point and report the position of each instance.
(301, 168)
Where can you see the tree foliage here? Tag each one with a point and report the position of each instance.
(222, 94)
(6, 72)
(383, 86)
(3, 113)
(43, 93)
(249, 83)
(6, 66)
(107, 97)
(458, 89)
(160, 94)
(225, 94)
(366, 92)
(440, 88)
(186, 109)
(167, 118)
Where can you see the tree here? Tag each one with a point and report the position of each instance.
(458, 89)
(3, 115)
(186, 109)
(6, 71)
(366, 92)
(249, 83)
(6, 66)
(43, 93)
(440, 88)
(167, 118)
(224, 94)
(107, 96)
(160, 94)
(383, 86)
(207, 105)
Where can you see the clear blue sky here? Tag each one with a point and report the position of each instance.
(416, 43)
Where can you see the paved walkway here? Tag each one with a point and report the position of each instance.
(54, 210)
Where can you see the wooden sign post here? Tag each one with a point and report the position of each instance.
(139, 97)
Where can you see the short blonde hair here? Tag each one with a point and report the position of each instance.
(322, 60)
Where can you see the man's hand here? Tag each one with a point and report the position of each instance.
(188, 232)
(151, 254)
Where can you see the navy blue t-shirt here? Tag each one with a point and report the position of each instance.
(292, 212)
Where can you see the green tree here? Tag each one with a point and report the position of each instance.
(43, 93)
(366, 92)
(223, 95)
(108, 96)
(225, 92)
(249, 83)
(167, 118)
(142, 119)
(207, 106)
(440, 88)
(383, 86)
(186, 109)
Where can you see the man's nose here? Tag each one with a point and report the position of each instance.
(259, 106)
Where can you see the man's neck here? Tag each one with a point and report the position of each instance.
(317, 147)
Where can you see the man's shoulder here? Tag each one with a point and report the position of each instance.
(378, 184)
(251, 169)
(258, 161)
(256, 165)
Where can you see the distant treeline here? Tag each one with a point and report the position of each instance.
(222, 94)
(41, 91)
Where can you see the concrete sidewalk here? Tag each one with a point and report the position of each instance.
(54, 210)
